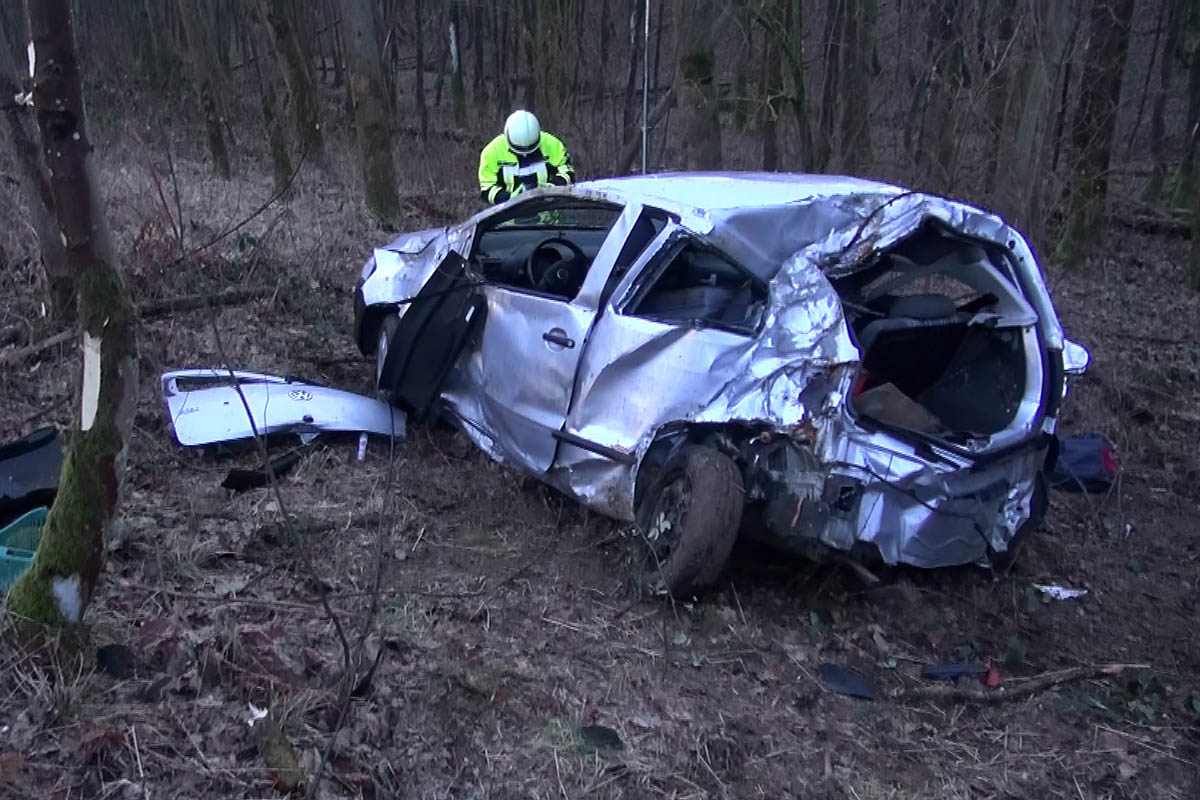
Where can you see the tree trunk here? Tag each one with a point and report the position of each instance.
(202, 63)
(630, 105)
(698, 101)
(772, 93)
(458, 89)
(831, 101)
(938, 137)
(794, 17)
(269, 74)
(1158, 172)
(60, 278)
(1093, 126)
(856, 115)
(419, 88)
(370, 110)
(1186, 186)
(1029, 115)
(58, 586)
(306, 111)
(1000, 76)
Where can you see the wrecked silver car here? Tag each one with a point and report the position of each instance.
(835, 366)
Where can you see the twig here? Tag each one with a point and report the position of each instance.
(1026, 688)
(22, 353)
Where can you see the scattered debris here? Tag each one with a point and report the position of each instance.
(1015, 689)
(205, 408)
(1086, 463)
(117, 660)
(241, 480)
(1059, 592)
(601, 738)
(846, 681)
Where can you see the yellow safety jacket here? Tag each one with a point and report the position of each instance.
(503, 173)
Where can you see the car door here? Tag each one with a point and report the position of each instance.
(684, 319)
(532, 341)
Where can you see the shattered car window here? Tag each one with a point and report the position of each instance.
(699, 285)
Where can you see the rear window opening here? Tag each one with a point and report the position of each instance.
(948, 344)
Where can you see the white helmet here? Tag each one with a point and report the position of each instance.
(522, 131)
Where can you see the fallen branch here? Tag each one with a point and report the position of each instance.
(1015, 690)
(148, 310)
(190, 302)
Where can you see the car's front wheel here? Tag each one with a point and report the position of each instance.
(387, 330)
(688, 522)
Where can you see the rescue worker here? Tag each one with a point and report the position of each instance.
(523, 157)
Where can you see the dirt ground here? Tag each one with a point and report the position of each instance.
(507, 622)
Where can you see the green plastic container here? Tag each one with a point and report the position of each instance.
(18, 541)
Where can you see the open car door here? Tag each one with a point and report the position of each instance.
(426, 341)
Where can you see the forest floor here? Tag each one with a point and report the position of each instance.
(507, 623)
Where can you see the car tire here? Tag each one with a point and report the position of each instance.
(688, 523)
(387, 330)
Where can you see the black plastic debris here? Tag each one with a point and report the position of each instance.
(115, 659)
(1086, 462)
(846, 681)
(241, 480)
(601, 737)
(29, 470)
(945, 672)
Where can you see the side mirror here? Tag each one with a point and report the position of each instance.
(1075, 358)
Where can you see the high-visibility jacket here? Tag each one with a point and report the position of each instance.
(503, 173)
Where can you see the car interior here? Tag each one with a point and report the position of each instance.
(697, 284)
(545, 248)
(939, 322)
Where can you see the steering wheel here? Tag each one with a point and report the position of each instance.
(555, 264)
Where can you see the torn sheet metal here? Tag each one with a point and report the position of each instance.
(206, 408)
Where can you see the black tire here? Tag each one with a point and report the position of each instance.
(700, 493)
(387, 329)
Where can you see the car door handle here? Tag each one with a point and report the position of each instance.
(558, 336)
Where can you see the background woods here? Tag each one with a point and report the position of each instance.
(241, 157)
(1051, 112)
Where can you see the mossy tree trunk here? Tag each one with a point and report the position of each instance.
(370, 110)
(281, 16)
(58, 586)
(206, 71)
(1093, 126)
(697, 89)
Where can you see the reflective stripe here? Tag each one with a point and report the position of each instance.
(513, 171)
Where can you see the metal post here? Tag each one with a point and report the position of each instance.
(645, 86)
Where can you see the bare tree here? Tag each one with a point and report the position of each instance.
(856, 65)
(1093, 125)
(58, 586)
(281, 20)
(206, 71)
(269, 76)
(938, 141)
(697, 89)
(1029, 113)
(370, 110)
(1176, 12)
(60, 279)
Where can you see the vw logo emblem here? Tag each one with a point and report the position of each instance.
(300, 395)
